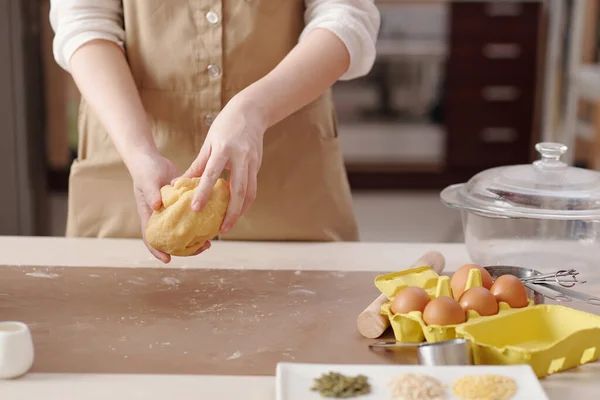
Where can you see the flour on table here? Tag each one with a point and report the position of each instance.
(42, 275)
(234, 356)
(138, 282)
(171, 281)
(301, 291)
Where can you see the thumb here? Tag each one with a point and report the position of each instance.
(153, 196)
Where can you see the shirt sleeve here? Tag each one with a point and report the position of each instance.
(76, 22)
(355, 22)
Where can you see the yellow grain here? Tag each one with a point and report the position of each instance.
(484, 387)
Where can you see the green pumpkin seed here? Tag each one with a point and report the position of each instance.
(340, 386)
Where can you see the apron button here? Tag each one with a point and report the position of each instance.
(209, 119)
(213, 71)
(212, 17)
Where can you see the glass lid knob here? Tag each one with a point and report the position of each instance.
(551, 153)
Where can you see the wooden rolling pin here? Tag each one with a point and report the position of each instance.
(370, 323)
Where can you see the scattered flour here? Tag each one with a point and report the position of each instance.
(234, 356)
(171, 281)
(301, 291)
(42, 275)
(137, 282)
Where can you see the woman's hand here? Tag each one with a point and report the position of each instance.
(234, 142)
(150, 172)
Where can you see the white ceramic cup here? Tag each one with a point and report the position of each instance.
(16, 349)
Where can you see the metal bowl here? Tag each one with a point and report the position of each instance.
(519, 272)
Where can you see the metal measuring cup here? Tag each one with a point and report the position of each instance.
(447, 352)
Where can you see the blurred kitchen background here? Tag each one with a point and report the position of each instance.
(458, 87)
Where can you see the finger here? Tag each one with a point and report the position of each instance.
(239, 186)
(199, 164)
(164, 257)
(205, 247)
(161, 256)
(252, 187)
(153, 198)
(144, 211)
(213, 170)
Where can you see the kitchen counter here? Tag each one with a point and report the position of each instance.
(46, 254)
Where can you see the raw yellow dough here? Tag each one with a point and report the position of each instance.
(178, 230)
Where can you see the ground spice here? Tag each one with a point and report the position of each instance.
(340, 386)
(417, 387)
(484, 387)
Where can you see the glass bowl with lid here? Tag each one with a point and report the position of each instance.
(540, 215)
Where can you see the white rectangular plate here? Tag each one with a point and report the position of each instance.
(294, 380)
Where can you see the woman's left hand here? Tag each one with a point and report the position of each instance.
(234, 142)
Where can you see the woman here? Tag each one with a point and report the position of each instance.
(207, 88)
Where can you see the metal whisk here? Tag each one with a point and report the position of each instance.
(570, 275)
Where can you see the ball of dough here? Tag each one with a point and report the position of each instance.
(178, 230)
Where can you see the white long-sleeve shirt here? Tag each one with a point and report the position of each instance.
(355, 22)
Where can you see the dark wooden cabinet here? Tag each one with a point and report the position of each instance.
(490, 105)
(491, 83)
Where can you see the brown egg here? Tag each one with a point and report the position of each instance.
(479, 299)
(410, 299)
(444, 310)
(510, 289)
(459, 279)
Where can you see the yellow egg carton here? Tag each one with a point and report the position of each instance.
(411, 327)
(550, 338)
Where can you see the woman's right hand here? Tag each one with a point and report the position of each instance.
(150, 172)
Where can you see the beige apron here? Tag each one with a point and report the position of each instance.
(189, 58)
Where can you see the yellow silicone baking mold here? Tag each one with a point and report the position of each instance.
(550, 338)
(411, 327)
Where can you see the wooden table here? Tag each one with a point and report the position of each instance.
(43, 258)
